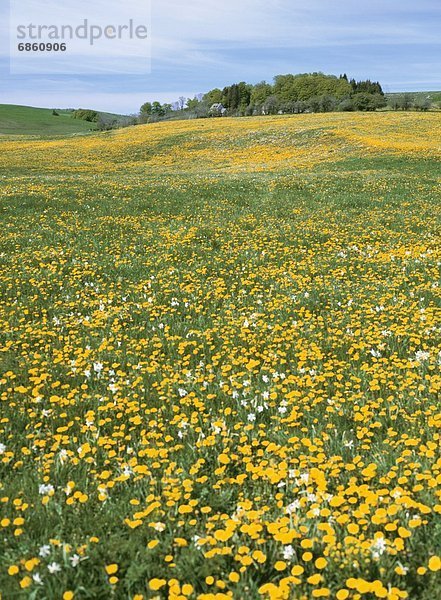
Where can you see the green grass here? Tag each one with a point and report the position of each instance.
(29, 121)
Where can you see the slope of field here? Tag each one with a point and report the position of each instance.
(220, 352)
(29, 121)
(435, 97)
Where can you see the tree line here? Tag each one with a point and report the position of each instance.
(288, 94)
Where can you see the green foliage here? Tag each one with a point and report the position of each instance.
(86, 115)
(366, 102)
(213, 97)
(367, 86)
(146, 109)
(260, 93)
(309, 85)
(237, 97)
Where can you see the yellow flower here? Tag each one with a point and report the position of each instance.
(25, 582)
(157, 584)
(435, 563)
(111, 569)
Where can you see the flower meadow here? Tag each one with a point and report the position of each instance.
(220, 361)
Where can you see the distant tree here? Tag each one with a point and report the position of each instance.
(395, 102)
(146, 109)
(182, 101)
(368, 102)
(213, 97)
(327, 103)
(55, 113)
(290, 88)
(259, 95)
(314, 104)
(406, 101)
(346, 105)
(271, 106)
(192, 103)
(145, 112)
(422, 104)
(86, 115)
(367, 86)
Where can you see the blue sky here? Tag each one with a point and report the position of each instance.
(201, 44)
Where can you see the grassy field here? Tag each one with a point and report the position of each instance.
(25, 120)
(435, 97)
(220, 358)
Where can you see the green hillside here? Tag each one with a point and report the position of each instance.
(42, 122)
(26, 120)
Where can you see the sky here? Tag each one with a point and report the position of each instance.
(197, 45)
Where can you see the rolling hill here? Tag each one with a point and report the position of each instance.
(42, 122)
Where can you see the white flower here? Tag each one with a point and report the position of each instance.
(53, 567)
(37, 579)
(293, 507)
(74, 560)
(288, 552)
(45, 489)
(251, 417)
(62, 454)
(265, 378)
(421, 356)
(44, 551)
(378, 547)
(97, 367)
(2, 448)
(375, 353)
(182, 393)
